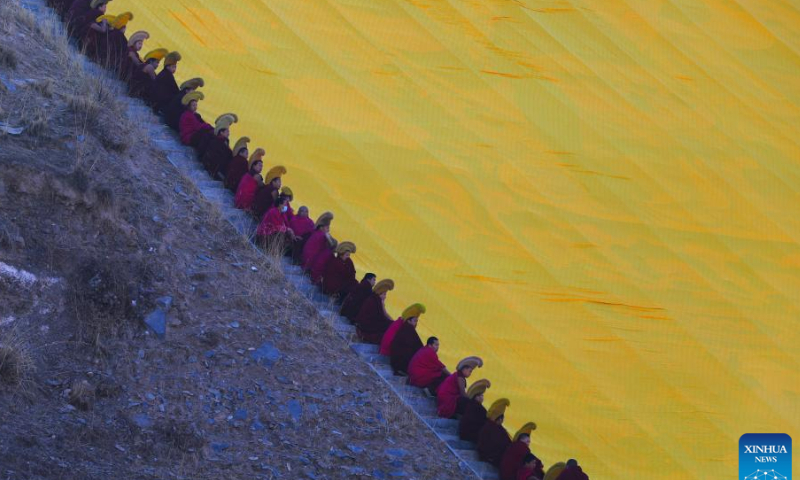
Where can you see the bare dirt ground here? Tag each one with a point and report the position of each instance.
(96, 228)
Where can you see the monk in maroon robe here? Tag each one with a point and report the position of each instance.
(352, 303)
(451, 396)
(192, 126)
(573, 472)
(474, 416)
(404, 345)
(425, 370)
(248, 186)
(319, 241)
(321, 260)
(493, 439)
(165, 87)
(513, 457)
(84, 26)
(266, 195)
(339, 276)
(531, 468)
(372, 319)
(303, 227)
(78, 8)
(239, 164)
(175, 108)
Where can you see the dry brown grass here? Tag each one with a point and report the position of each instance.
(8, 58)
(17, 365)
(81, 395)
(37, 124)
(102, 298)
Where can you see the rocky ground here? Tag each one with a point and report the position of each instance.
(99, 237)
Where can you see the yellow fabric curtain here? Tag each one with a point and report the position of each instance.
(598, 198)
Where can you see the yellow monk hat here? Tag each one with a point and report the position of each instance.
(97, 3)
(346, 247)
(274, 172)
(121, 20)
(414, 310)
(478, 388)
(473, 362)
(192, 96)
(324, 220)
(498, 408)
(526, 429)
(193, 83)
(107, 18)
(258, 155)
(232, 115)
(287, 192)
(240, 144)
(554, 471)
(172, 58)
(141, 35)
(383, 286)
(223, 122)
(157, 54)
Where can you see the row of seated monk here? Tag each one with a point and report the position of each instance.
(310, 244)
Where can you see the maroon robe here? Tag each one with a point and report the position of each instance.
(76, 9)
(81, 23)
(314, 245)
(573, 473)
(352, 303)
(425, 370)
(339, 277)
(164, 89)
(192, 127)
(511, 462)
(236, 170)
(265, 198)
(319, 263)
(472, 421)
(493, 440)
(217, 155)
(405, 344)
(174, 110)
(372, 320)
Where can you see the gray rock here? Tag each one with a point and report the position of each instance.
(157, 321)
(266, 354)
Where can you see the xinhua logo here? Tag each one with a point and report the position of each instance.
(765, 456)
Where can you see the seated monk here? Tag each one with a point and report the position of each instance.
(111, 49)
(512, 458)
(530, 468)
(87, 24)
(175, 108)
(143, 81)
(239, 164)
(267, 195)
(273, 231)
(321, 260)
(133, 62)
(303, 227)
(76, 12)
(215, 154)
(339, 276)
(318, 241)
(165, 87)
(573, 471)
(372, 319)
(474, 413)
(493, 439)
(249, 185)
(352, 303)
(192, 126)
(391, 332)
(288, 193)
(425, 370)
(406, 341)
(451, 396)
(554, 471)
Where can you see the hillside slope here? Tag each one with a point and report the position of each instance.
(97, 231)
